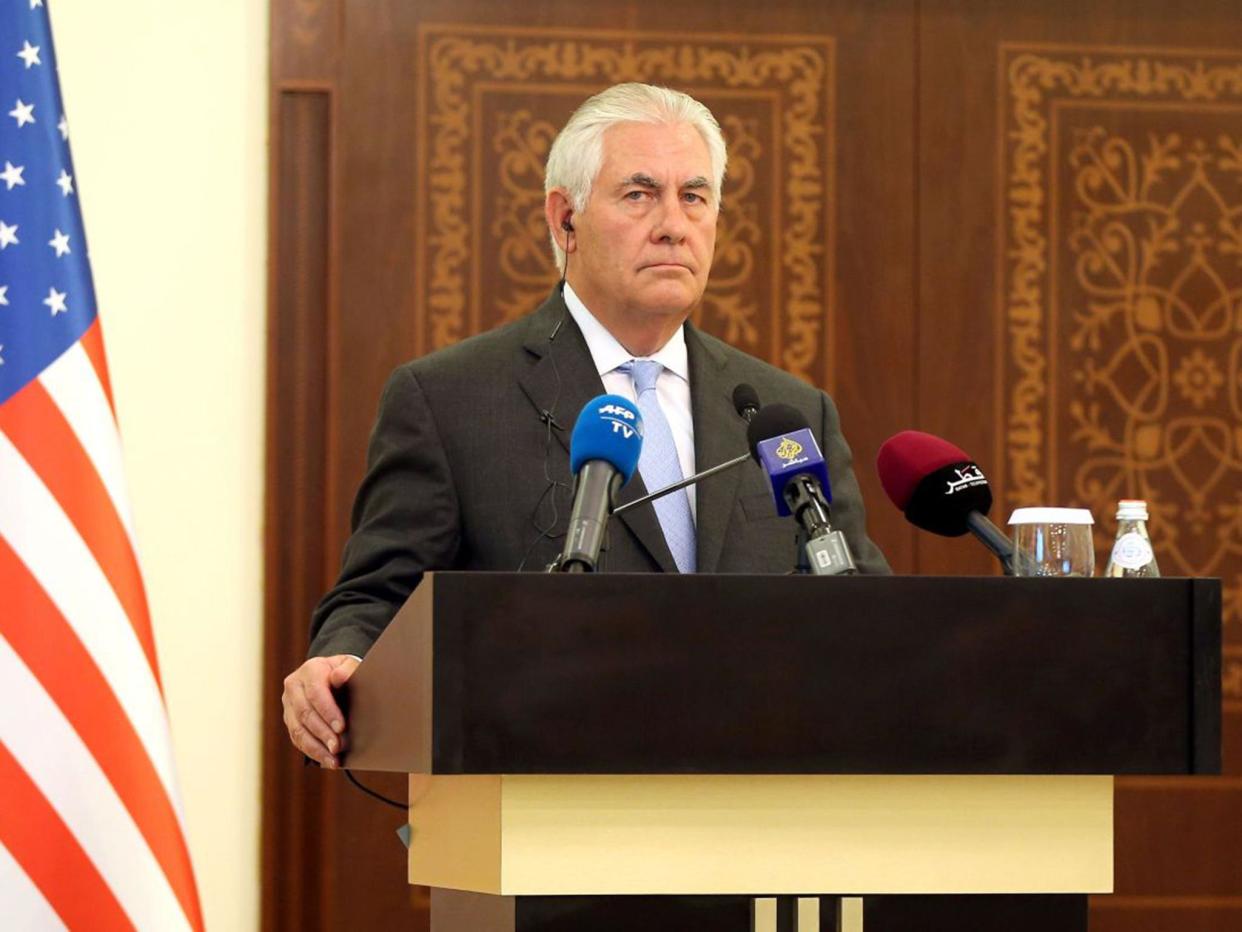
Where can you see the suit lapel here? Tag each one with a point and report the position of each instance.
(562, 377)
(562, 380)
(719, 435)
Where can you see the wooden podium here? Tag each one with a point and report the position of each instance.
(648, 752)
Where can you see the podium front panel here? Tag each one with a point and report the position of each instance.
(522, 835)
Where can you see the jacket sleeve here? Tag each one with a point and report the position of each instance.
(405, 521)
(848, 513)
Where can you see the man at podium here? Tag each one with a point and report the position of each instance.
(468, 463)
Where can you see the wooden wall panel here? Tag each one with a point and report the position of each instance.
(883, 237)
(1163, 914)
(305, 40)
(297, 446)
(438, 118)
(481, 241)
(1080, 215)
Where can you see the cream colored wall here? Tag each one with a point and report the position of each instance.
(167, 107)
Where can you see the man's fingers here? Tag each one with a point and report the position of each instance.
(310, 720)
(315, 722)
(307, 743)
(319, 697)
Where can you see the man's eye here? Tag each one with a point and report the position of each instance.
(693, 198)
(635, 195)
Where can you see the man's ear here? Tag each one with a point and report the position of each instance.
(559, 213)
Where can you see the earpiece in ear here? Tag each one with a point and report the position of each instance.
(567, 226)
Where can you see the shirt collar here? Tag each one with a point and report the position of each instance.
(607, 353)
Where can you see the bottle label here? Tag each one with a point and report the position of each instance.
(1132, 551)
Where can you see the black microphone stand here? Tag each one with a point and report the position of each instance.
(697, 477)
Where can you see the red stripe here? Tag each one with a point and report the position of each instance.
(51, 857)
(49, 647)
(92, 342)
(40, 432)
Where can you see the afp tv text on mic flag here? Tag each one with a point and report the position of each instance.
(92, 835)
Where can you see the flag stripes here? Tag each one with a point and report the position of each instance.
(73, 384)
(44, 744)
(92, 344)
(53, 553)
(36, 427)
(62, 561)
(24, 906)
(54, 864)
(58, 661)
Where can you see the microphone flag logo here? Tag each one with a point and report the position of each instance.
(788, 449)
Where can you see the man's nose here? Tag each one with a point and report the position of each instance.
(670, 221)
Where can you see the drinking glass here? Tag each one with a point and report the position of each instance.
(1053, 542)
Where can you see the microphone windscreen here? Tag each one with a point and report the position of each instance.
(935, 483)
(745, 397)
(772, 421)
(906, 458)
(609, 428)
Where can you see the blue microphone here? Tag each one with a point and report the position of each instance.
(791, 454)
(782, 443)
(603, 454)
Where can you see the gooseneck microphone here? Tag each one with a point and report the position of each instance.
(746, 402)
(603, 454)
(941, 489)
(782, 443)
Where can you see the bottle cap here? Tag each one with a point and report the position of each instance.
(1131, 509)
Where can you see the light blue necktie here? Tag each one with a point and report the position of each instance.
(659, 466)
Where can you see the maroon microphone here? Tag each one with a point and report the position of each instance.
(940, 489)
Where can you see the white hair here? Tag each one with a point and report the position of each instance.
(578, 150)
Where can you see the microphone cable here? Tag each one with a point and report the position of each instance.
(547, 531)
(349, 774)
(374, 793)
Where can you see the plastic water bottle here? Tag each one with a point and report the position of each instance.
(1132, 554)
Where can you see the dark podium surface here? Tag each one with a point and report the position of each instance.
(510, 674)
(531, 673)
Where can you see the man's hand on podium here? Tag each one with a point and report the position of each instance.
(315, 722)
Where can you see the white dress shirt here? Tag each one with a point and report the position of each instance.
(672, 387)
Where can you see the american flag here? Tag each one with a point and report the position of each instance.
(92, 834)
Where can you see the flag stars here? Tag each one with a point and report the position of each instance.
(22, 113)
(56, 301)
(29, 54)
(8, 235)
(4, 295)
(65, 181)
(59, 242)
(63, 126)
(35, 3)
(12, 174)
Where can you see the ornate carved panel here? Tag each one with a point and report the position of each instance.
(305, 39)
(1120, 303)
(491, 101)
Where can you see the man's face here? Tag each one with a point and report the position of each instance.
(646, 238)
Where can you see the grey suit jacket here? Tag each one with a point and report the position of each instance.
(459, 460)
